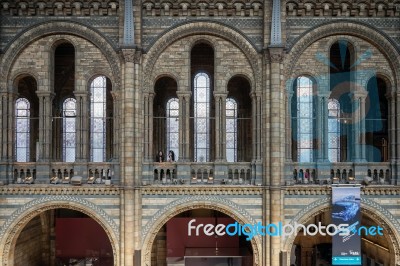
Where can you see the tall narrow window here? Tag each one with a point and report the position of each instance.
(201, 117)
(98, 90)
(305, 121)
(173, 126)
(22, 132)
(231, 130)
(69, 129)
(333, 130)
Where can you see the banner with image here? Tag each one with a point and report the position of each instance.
(346, 246)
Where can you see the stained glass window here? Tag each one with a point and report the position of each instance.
(333, 130)
(304, 93)
(22, 132)
(173, 126)
(201, 117)
(69, 129)
(231, 130)
(98, 99)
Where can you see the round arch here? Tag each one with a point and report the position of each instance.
(344, 27)
(197, 202)
(202, 28)
(12, 228)
(22, 73)
(94, 73)
(368, 207)
(40, 30)
(240, 75)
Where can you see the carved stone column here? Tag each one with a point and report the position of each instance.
(322, 127)
(220, 126)
(359, 127)
(116, 124)
(288, 149)
(148, 126)
(184, 125)
(45, 127)
(82, 127)
(277, 148)
(256, 125)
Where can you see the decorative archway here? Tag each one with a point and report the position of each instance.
(12, 228)
(225, 206)
(202, 28)
(37, 31)
(344, 27)
(368, 207)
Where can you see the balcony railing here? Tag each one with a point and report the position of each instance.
(192, 173)
(377, 173)
(62, 172)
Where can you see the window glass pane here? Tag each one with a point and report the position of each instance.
(22, 130)
(333, 130)
(69, 129)
(201, 117)
(98, 105)
(173, 128)
(305, 121)
(231, 130)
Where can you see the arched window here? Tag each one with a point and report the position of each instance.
(201, 117)
(98, 107)
(333, 130)
(69, 129)
(231, 130)
(173, 126)
(305, 119)
(22, 129)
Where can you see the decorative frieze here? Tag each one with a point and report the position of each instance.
(59, 8)
(343, 8)
(202, 8)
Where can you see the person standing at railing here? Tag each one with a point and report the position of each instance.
(171, 156)
(160, 157)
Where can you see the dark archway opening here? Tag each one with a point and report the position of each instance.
(173, 245)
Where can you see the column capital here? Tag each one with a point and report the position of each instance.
(275, 54)
(131, 55)
(81, 93)
(362, 95)
(220, 94)
(40, 93)
(183, 94)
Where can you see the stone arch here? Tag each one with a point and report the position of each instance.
(188, 203)
(40, 30)
(22, 73)
(11, 229)
(241, 75)
(345, 27)
(374, 211)
(202, 28)
(171, 75)
(90, 75)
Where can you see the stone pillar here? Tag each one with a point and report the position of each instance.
(397, 135)
(277, 149)
(7, 128)
(392, 136)
(45, 116)
(184, 125)
(359, 126)
(220, 126)
(256, 125)
(288, 122)
(116, 123)
(82, 127)
(148, 126)
(322, 127)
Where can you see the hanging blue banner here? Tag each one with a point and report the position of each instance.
(346, 245)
